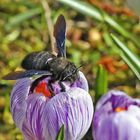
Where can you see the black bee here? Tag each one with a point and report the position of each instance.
(46, 64)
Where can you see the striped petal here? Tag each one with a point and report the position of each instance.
(44, 119)
(74, 109)
(81, 82)
(32, 126)
(18, 104)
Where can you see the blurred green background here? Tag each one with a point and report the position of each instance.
(23, 29)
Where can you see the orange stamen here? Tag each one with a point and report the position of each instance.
(119, 109)
(42, 88)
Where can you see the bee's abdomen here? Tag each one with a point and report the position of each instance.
(36, 60)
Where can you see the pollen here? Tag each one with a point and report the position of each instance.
(119, 109)
(42, 88)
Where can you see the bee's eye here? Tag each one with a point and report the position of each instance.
(67, 75)
(74, 71)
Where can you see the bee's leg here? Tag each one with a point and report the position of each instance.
(50, 87)
(62, 86)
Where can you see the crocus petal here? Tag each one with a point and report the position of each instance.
(40, 118)
(18, 104)
(74, 109)
(82, 82)
(32, 126)
(108, 124)
(43, 119)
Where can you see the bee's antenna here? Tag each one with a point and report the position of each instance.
(77, 69)
(80, 67)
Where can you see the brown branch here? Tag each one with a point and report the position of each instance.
(49, 23)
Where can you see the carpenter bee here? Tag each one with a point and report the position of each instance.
(46, 64)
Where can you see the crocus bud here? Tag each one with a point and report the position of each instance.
(40, 116)
(117, 117)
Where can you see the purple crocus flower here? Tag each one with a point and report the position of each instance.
(117, 117)
(40, 116)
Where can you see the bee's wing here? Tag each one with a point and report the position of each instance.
(22, 74)
(60, 35)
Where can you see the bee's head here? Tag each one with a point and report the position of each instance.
(70, 73)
